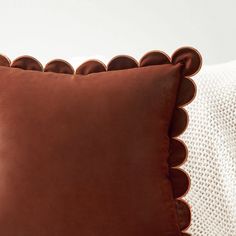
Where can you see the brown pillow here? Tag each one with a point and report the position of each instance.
(95, 153)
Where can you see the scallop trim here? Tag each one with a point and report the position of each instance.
(122, 62)
(91, 66)
(155, 58)
(59, 66)
(27, 63)
(184, 214)
(191, 62)
(4, 61)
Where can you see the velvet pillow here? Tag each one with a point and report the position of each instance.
(94, 152)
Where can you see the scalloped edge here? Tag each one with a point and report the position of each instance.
(6, 59)
(21, 58)
(139, 64)
(176, 133)
(63, 62)
(151, 52)
(188, 180)
(197, 52)
(185, 229)
(90, 61)
(187, 102)
(122, 57)
(186, 153)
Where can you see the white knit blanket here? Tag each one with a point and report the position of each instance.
(211, 141)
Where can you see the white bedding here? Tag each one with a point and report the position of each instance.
(211, 141)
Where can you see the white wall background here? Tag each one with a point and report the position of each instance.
(48, 29)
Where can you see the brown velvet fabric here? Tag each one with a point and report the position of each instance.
(94, 151)
(87, 155)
